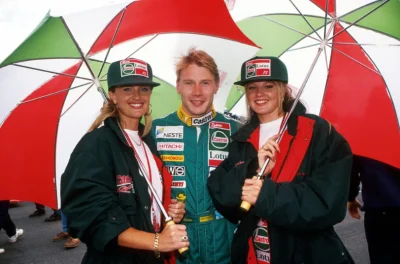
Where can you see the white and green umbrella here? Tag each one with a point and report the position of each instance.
(346, 56)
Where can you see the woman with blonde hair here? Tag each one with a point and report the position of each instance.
(304, 190)
(104, 193)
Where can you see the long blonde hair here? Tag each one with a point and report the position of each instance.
(110, 109)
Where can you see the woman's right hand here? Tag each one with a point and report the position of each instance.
(173, 237)
(268, 150)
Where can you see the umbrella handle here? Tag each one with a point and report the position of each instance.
(183, 251)
(245, 206)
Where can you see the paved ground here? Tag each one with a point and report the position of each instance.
(35, 246)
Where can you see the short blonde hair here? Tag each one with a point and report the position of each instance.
(201, 59)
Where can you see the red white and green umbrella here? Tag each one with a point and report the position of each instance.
(53, 85)
(355, 45)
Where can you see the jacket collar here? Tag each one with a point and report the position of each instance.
(245, 132)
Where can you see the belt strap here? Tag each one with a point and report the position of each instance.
(199, 218)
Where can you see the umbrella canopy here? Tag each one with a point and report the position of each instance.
(355, 81)
(49, 86)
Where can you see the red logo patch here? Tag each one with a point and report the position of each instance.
(257, 68)
(124, 183)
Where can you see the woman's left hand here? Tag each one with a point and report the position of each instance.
(176, 210)
(251, 189)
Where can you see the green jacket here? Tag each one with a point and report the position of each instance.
(190, 153)
(97, 210)
(305, 196)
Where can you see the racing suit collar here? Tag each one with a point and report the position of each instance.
(195, 121)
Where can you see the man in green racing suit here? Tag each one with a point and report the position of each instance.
(192, 142)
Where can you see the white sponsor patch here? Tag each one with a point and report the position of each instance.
(258, 67)
(217, 155)
(176, 170)
(178, 184)
(198, 121)
(169, 132)
(170, 146)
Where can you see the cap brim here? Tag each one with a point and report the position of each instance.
(136, 81)
(256, 79)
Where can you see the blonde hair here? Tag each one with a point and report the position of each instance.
(110, 109)
(201, 59)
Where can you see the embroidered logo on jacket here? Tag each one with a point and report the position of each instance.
(124, 184)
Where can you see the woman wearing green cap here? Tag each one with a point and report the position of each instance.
(306, 182)
(104, 193)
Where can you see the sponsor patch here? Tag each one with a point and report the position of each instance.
(176, 170)
(176, 158)
(206, 218)
(219, 140)
(219, 134)
(171, 132)
(223, 125)
(258, 67)
(181, 197)
(131, 67)
(178, 184)
(261, 243)
(124, 184)
(198, 121)
(170, 146)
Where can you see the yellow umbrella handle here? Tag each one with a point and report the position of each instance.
(183, 251)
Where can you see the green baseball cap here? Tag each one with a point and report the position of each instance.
(130, 72)
(263, 68)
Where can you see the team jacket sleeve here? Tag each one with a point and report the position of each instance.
(90, 203)
(226, 181)
(318, 201)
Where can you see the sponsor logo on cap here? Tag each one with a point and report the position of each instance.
(219, 140)
(130, 67)
(198, 121)
(176, 158)
(258, 68)
(170, 146)
(178, 184)
(169, 132)
(176, 170)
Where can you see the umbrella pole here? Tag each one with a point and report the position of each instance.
(245, 206)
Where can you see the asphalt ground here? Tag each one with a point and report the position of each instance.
(36, 245)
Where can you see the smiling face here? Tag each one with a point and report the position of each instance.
(197, 87)
(265, 99)
(132, 102)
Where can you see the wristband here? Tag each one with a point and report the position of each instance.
(156, 252)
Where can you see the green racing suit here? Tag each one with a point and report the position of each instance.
(191, 148)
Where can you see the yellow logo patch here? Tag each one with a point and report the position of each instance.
(176, 158)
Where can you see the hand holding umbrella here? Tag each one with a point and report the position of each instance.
(266, 162)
